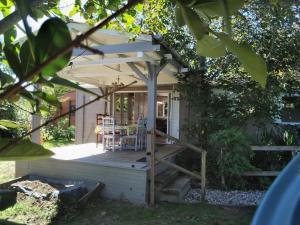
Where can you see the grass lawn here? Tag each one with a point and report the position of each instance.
(56, 143)
(104, 212)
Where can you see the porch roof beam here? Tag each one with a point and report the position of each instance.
(115, 61)
(138, 72)
(119, 48)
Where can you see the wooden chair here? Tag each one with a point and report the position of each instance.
(110, 136)
(99, 119)
(136, 141)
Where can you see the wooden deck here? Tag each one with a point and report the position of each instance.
(88, 153)
(125, 173)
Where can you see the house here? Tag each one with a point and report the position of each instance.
(150, 67)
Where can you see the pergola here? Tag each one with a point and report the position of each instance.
(145, 60)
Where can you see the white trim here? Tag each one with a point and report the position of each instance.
(119, 48)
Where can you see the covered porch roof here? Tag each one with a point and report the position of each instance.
(123, 61)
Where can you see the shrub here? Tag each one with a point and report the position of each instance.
(59, 131)
(233, 153)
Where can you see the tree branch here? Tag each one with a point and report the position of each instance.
(15, 141)
(76, 42)
(13, 18)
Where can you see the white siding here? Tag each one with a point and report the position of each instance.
(86, 118)
(120, 183)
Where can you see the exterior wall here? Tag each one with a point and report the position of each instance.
(86, 117)
(120, 183)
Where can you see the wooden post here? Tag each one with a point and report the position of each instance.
(151, 126)
(152, 169)
(203, 174)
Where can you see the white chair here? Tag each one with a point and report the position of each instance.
(136, 141)
(109, 133)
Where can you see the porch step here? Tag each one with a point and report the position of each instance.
(176, 190)
(164, 178)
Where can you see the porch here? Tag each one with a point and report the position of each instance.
(125, 173)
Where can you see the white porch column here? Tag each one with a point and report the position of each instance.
(151, 117)
(35, 122)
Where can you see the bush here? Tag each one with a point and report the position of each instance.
(233, 153)
(59, 131)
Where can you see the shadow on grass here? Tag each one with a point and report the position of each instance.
(5, 222)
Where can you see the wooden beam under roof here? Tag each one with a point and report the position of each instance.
(120, 60)
(119, 48)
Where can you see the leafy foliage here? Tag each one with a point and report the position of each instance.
(197, 15)
(233, 154)
(59, 131)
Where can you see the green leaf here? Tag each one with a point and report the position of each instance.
(52, 37)
(178, 16)
(27, 61)
(61, 81)
(254, 64)
(10, 124)
(209, 46)
(74, 10)
(214, 7)
(28, 96)
(13, 59)
(5, 80)
(43, 81)
(4, 2)
(24, 150)
(47, 97)
(193, 21)
(10, 35)
(37, 14)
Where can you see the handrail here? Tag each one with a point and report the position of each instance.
(193, 147)
(181, 169)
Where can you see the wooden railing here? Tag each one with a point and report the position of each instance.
(291, 149)
(154, 159)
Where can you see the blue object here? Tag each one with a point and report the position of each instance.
(281, 203)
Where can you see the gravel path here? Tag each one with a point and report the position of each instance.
(233, 198)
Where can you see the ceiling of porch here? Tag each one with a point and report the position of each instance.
(119, 57)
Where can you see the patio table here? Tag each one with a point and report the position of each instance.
(120, 130)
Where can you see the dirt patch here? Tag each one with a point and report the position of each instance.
(39, 186)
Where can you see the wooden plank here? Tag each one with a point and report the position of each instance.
(190, 146)
(275, 148)
(261, 173)
(84, 199)
(203, 174)
(181, 169)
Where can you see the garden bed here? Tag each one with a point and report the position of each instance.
(45, 188)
